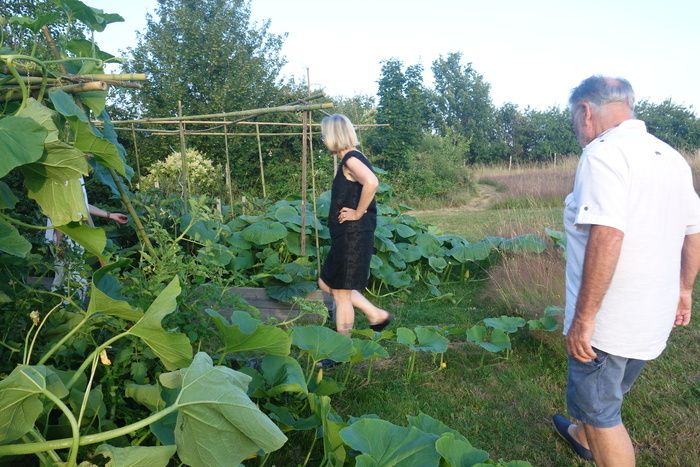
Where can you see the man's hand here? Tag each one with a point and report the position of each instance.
(118, 217)
(683, 311)
(578, 340)
(347, 214)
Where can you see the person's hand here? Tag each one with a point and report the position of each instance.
(578, 340)
(347, 214)
(118, 217)
(683, 311)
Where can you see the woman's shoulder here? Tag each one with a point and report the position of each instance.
(357, 154)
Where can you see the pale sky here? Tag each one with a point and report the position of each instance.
(532, 52)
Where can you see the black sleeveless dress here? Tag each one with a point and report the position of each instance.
(352, 242)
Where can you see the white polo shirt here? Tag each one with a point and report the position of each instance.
(634, 182)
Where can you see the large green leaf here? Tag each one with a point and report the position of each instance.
(405, 336)
(11, 242)
(148, 395)
(8, 200)
(43, 116)
(100, 302)
(430, 340)
(367, 350)
(546, 323)
(21, 142)
(509, 324)
(437, 263)
(66, 106)
(34, 24)
(432, 425)
(458, 452)
(387, 444)
(331, 424)
(246, 334)
(60, 161)
(471, 252)
(91, 238)
(283, 374)
(404, 231)
(20, 403)
(217, 423)
(429, 245)
(321, 342)
(497, 341)
(93, 18)
(89, 140)
(173, 349)
(264, 232)
(409, 252)
(137, 456)
(288, 214)
(62, 201)
(287, 292)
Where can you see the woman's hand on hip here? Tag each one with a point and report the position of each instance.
(348, 214)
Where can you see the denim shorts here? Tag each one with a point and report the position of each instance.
(595, 389)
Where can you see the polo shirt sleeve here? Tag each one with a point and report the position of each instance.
(602, 187)
(693, 225)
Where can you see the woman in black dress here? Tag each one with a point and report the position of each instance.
(351, 220)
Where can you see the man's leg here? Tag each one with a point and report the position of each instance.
(612, 447)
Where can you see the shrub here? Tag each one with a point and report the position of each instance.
(204, 176)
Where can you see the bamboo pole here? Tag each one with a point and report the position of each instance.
(183, 158)
(140, 231)
(218, 133)
(228, 169)
(262, 167)
(313, 176)
(136, 152)
(304, 147)
(83, 87)
(222, 122)
(238, 113)
(111, 77)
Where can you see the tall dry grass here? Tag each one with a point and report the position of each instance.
(530, 185)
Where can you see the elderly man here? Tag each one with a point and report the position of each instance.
(633, 251)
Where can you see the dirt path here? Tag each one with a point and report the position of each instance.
(485, 197)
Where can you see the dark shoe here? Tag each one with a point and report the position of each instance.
(327, 363)
(561, 425)
(379, 327)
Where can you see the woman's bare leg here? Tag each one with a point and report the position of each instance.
(373, 313)
(344, 312)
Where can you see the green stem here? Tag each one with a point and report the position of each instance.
(63, 340)
(347, 375)
(26, 345)
(87, 390)
(140, 231)
(8, 347)
(36, 333)
(22, 86)
(55, 458)
(75, 440)
(88, 360)
(22, 224)
(308, 454)
(31, 448)
(369, 371)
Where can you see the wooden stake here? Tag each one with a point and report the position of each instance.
(262, 167)
(313, 175)
(136, 152)
(229, 186)
(183, 158)
(140, 231)
(304, 147)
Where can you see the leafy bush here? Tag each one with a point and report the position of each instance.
(204, 176)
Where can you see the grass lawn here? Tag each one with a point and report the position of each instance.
(504, 407)
(475, 225)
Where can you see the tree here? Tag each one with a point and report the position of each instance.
(550, 135)
(402, 105)
(207, 54)
(671, 122)
(463, 106)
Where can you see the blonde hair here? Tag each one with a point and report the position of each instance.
(338, 133)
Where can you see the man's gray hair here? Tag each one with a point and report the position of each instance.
(600, 90)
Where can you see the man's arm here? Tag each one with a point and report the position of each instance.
(602, 253)
(690, 264)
